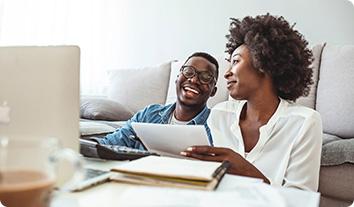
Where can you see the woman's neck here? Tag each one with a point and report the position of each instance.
(261, 108)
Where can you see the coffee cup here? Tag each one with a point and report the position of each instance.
(28, 170)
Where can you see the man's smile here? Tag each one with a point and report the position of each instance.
(187, 88)
(191, 90)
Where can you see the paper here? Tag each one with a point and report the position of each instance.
(247, 196)
(170, 140)
(232, 182)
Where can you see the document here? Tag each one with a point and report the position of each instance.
(170, 140)
(252, 196)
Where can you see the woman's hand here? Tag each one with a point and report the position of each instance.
(238, 165)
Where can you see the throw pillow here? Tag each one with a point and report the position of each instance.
(103, 109)
(137, 88)
(309, 100)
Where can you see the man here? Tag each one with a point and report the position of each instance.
(194, 85)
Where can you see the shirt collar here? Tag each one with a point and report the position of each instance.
(166, 113)
(197, 120)
(278, 112)
(271, 122)
(264, 130)
(201, 117)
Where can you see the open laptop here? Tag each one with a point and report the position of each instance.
(40, 87)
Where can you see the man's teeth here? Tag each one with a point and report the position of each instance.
(192, 90)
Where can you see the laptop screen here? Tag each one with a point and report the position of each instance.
(40, 86)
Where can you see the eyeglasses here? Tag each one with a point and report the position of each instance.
(205, 77)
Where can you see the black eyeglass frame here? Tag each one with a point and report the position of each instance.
(196, 72)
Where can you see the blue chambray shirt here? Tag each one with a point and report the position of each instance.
(154, 113)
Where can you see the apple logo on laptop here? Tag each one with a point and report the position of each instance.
(4, 114)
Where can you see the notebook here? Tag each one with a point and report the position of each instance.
(171, 172)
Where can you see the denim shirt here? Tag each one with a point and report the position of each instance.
(154, 113)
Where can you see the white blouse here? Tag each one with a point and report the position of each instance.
(288, 151)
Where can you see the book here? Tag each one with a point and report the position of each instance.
(171, 172)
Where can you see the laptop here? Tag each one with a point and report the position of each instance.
(40, 86)
(40, 95)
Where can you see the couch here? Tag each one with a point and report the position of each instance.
(334, 100)
(331, 95)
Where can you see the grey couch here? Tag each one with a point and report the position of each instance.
(332, 95)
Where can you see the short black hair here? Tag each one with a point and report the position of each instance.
(277, 49)
(209, 58)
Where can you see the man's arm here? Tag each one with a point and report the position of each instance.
(124, 136)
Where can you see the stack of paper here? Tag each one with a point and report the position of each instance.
(171, 172)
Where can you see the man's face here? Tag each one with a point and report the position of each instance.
(193, 91)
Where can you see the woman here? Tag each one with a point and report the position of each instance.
(264, 134)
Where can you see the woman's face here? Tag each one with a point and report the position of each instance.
(243, 80)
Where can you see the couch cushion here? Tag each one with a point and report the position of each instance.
(327, 201)
(103, 109)
(221, 93)
(94, 128)
(98, 128)
(337, 181)
(335, 94)
(136, 88)
(309, 100)
(336, 151)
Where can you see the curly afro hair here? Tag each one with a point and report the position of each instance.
(276, 49)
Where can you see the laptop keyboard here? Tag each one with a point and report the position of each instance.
(91, 173)
(116, 152)
(92, 177)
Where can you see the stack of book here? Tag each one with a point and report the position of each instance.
(171, 172)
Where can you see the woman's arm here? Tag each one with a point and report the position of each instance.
(238, 165)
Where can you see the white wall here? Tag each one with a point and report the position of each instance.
(153, 31)
(115, 34)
